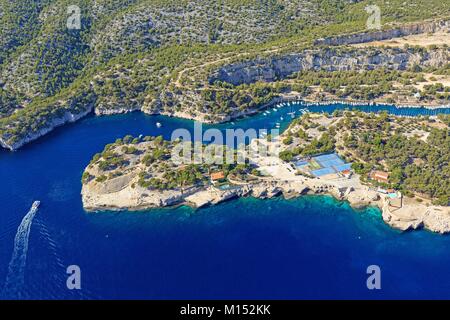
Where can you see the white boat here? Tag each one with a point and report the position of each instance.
(35, 205)
(274, 109)
(158, 124)
(281, 118)
(303, 111)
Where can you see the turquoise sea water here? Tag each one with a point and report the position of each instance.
(310, 247)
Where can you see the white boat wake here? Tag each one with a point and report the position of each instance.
(16, 269)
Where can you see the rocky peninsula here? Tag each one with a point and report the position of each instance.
(140, 174)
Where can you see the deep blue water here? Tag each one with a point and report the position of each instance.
(310, 247)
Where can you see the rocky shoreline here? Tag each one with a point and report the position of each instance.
(70, 118)
(125, 198)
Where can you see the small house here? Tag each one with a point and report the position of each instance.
(380, 176)
(217, 177)
(346, 173)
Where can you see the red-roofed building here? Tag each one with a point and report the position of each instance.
(217, 176)
(346, 173)
(380, 176)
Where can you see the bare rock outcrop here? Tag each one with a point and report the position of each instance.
(331, 59)
(401, 31)
(433, 218)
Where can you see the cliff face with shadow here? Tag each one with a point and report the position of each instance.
(327, 59)
(401, 31)
(340, 59)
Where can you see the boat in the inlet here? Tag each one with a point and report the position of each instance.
(303, 111)
(158, 124)
(281, 118)
(274, 109)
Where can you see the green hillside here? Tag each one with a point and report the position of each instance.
(127, 52)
